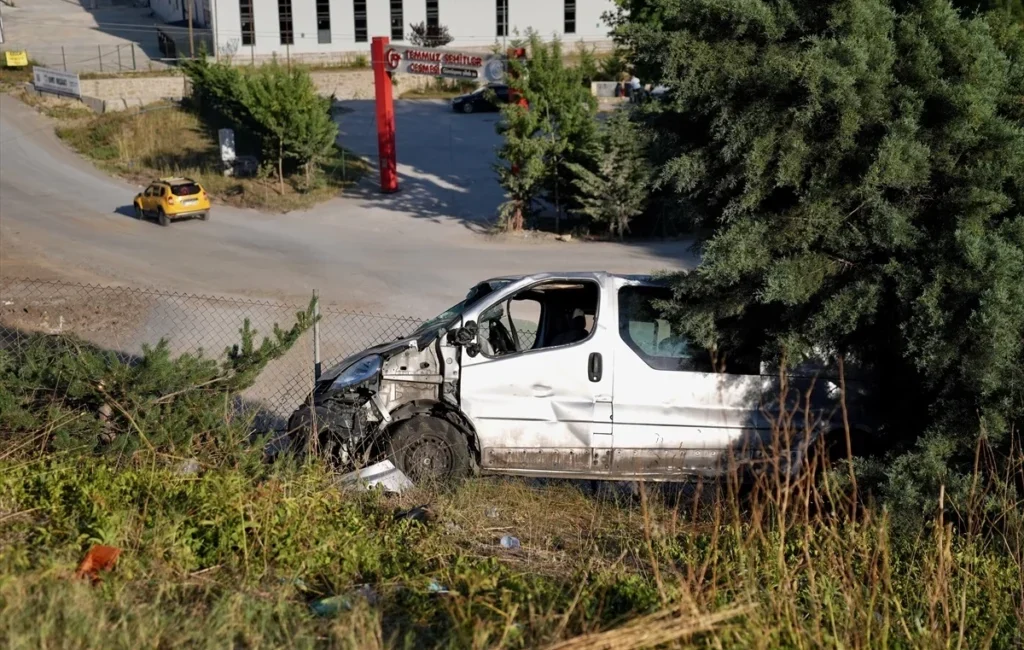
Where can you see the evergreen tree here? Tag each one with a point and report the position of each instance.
(421, 35)
(521, 167)
(858, 169)
(559, 117)
(618, 191)
(294, 120)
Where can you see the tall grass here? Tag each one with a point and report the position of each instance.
(233, 554)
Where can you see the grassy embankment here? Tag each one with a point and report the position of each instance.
(169, 140)
(233, 555)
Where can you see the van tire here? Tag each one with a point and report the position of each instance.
(162, 218)
(467, 107)
(429, 450)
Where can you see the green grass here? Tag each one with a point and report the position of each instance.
(234, 555)
(11, 78)
(169, 140)
(440, 89)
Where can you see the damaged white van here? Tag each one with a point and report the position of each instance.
(572, 375)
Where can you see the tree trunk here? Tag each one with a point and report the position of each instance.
(280, 167)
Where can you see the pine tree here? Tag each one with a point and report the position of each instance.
(557, 128)
(618, 191)
(521, 166)
(421, 35)
(857, 168)
(293, 119)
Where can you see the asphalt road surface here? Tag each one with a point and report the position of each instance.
(411, 253)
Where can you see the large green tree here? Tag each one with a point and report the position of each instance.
(858, 167)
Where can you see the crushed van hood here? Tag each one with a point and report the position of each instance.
(385, 350)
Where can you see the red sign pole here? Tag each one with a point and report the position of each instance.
(385, 115)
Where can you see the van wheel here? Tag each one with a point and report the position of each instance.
(467, 107)
(429, 449)
(161, 217)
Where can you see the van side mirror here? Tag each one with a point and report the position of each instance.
(466, 335)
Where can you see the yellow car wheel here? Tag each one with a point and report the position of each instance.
(162, 218)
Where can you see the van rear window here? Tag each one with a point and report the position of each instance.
(185, 189)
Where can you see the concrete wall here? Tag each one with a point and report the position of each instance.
(472, 23)
(123, 92)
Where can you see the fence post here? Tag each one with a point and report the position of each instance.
(133, 57)
(316, 335)
(119, 58)
(64, 58)
(100, 52)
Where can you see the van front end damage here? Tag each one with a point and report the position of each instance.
(352, 407)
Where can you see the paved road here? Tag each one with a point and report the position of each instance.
(410, 254)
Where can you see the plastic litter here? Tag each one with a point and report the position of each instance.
(510, 542)
(188, 467)
(98, 558)
(421, 514)
(491, 513)
(384, 474)
(331, 605)
(436, 588)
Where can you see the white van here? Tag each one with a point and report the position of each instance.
(573, 375)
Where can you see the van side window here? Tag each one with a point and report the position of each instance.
(653, 338)
(546, 315)
(663, 347)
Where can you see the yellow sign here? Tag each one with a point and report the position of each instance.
(16, 58)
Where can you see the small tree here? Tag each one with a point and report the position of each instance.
(293, 119)
(422, 35)
(521, 167)
(564, 115)
(618, 191)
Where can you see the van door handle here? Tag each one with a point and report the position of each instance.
(594, 367)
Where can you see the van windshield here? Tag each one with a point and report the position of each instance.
(474, 296)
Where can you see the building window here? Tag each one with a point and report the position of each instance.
(359, 9)
(433, 17)
(397, 22)
(323, 21)
(570, 16)
(502, 8)
(284, 18)
(248, 26)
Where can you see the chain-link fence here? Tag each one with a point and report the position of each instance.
(125, 319)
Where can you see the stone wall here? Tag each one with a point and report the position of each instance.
(119, 93)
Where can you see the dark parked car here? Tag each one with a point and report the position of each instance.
(485, 98)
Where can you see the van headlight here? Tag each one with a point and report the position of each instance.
(358, 372)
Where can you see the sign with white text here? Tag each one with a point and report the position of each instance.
(488, 68)
(56, 81)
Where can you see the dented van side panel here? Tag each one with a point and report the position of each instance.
(538, 410)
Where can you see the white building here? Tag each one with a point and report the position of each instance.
(311, 29)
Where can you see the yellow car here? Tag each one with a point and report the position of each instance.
(173, 198)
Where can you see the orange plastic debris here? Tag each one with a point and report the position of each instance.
(99, 558)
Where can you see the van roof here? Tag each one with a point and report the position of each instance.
(576, 275)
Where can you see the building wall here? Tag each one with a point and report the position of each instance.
(174, 10)
(472, 23)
